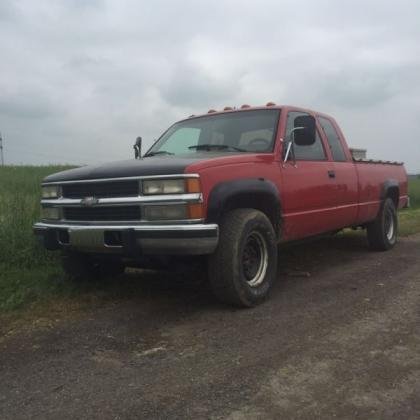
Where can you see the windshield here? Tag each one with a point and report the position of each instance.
(234, 132)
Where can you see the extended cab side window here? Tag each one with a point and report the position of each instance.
(315, 151)
(333, 140)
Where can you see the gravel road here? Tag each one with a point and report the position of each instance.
(339, 337)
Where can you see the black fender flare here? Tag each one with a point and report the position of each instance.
(390, 188)
(258, 193)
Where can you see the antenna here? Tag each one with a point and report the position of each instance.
(1, 150)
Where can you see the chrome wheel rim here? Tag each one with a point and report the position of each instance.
(389, 225)
(255, 259)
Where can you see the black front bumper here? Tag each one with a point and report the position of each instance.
(133, 240)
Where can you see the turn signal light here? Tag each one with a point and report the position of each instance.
(193, 185)
(195, 211)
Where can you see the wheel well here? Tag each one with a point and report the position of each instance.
(394, 194)
(263, 202)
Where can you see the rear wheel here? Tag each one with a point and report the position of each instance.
(83, 267)
(382, 232)
(243, 268)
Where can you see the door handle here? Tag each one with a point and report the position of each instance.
(331, 174)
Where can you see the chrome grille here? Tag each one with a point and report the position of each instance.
(101, 189)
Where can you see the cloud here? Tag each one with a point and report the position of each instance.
(27, 105)
(189, 85)
(362, 88)
(7, 11)
(82, 79)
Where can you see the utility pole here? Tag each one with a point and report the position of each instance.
(1, 150)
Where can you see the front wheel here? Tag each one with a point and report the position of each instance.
(382, 232)
(243, 268)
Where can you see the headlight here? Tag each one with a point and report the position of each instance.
(164, 186)
(51, 191)
(50, 213)
(171, 186)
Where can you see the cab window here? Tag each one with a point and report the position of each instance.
(315, 151)
(334, 142)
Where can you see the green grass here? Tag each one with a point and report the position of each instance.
(409, 221)
(414, 192)
(21, 286)
(25, 268)
(30, 274)
(19, 209)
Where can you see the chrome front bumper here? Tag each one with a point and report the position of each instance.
(130, 240)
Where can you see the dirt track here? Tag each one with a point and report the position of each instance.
(343, 342)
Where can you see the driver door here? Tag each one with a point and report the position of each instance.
(308, 187)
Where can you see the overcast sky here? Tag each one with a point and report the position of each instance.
(80, 79)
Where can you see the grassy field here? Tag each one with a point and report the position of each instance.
(29, 274)
(414, 191)
(410, 219)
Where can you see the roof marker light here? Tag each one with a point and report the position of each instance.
(211, 111)
(270, 104)
(245, 106)
(227, 108)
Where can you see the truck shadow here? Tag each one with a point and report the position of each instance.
(317, 254)
(136, 307)
(298, 262)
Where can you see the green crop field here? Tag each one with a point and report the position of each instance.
(29, 274)
(26, 270)
(414, 191)
(19, 208)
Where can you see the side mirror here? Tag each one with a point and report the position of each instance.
(137, 148)
(304, 133)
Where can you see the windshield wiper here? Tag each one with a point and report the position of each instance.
(158, 152)
(210, 147)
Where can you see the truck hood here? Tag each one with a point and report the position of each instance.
(154, 165)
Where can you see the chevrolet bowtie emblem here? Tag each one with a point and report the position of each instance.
(89, 201)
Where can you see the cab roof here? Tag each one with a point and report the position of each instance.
(246, 108)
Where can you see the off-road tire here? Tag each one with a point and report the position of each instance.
(228, 266)
(82, 267)
(382, 232)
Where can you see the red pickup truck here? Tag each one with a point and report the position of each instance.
(226, 187)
